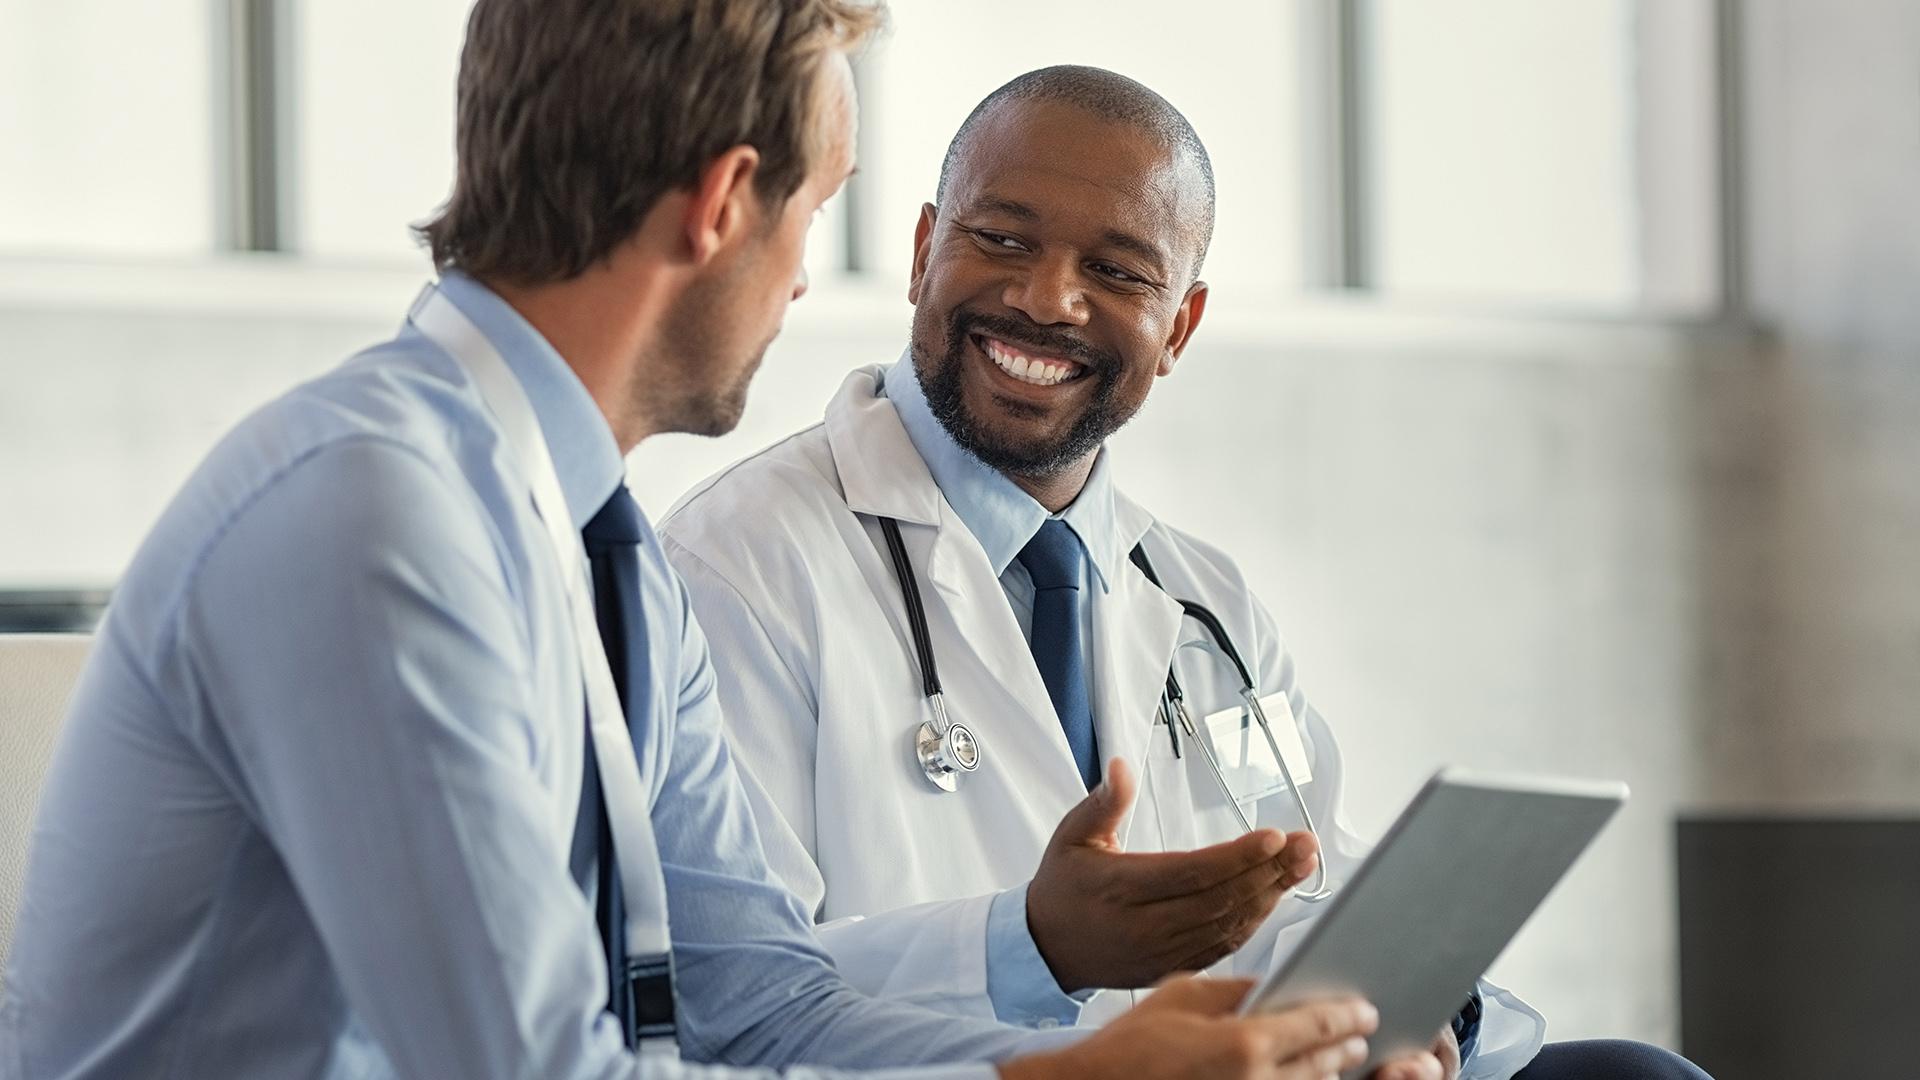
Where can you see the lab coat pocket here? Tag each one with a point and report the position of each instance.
(1169, 798)
(1259, 753)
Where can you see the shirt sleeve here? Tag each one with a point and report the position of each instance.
(370, 674)
(1019, 982)
(364, 681)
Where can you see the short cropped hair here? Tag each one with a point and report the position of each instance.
(1110, 96)
(576, 116)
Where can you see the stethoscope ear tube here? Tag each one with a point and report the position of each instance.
(1173, 707)
(1320, 891)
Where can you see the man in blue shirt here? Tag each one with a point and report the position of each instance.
(324, 806)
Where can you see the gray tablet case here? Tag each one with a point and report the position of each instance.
(1464, 866)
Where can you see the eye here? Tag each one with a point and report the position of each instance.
(1000, 240)
(1111, 271)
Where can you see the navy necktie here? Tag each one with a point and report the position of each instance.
(1053, 559)
(612, 540)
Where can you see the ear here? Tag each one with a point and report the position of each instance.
(1185, 322)
(723, 205)
(922, 248)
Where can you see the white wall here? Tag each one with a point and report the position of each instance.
(1479, 535)
(1818, 508)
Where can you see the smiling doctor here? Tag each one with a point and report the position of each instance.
(936, 616)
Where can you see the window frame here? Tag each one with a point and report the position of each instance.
(257, 176)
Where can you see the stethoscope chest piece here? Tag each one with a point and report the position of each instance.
(945, 749)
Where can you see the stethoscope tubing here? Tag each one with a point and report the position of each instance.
(916, 610)
(1173, 703)
(1172, 707)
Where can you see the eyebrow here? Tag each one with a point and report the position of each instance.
(1143, 248)
(1125, 241)
(992, 203)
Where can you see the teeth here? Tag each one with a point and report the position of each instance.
(1037, 372)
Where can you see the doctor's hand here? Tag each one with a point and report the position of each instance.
(1104, 918)
(1188, 1030)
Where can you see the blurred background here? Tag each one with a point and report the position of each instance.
(1560, 390)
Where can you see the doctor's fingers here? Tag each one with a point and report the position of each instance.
(1198, 948)
(1165, 875)
(1192, 937)
(1193, 932)
(1262, 883)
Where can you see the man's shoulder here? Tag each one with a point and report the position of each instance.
(388, 414)
(400, 401)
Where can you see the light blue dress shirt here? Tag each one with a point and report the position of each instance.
(311, 811)
(1003, 518)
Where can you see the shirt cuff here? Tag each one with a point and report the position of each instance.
(1466, 1026)
(1019, 984)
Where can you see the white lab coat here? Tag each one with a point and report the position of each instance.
(789, 577)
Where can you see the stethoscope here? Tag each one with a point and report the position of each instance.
(1173, 713)
(945, 748)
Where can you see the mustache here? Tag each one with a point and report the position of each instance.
(1024, 333)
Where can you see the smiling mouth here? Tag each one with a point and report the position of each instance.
(1027, 366)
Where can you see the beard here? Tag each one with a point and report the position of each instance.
(701, 387)
(941, 380)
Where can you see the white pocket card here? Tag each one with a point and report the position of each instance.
(1246, 759)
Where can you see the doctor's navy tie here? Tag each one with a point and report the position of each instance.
(1053, 559)
(641, 1000)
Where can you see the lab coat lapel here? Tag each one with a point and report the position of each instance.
(972, 594)
(1136, 627)
(881, 473)
(992, 683)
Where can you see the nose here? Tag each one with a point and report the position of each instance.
(1049, 291)
(800, 282)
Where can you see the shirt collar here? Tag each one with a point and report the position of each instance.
(585, 454)
(993, 508)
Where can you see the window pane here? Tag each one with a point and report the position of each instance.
(376, 129)
(1501, 150)
(1239, 89)
(107, 121)
(375, 122)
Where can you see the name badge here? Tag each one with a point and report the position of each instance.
(1246, 758)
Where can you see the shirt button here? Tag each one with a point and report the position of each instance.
(1047, 1023)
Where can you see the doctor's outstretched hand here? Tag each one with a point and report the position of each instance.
(1104, 918)
(1188, 1030)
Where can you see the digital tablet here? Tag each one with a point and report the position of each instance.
(1426, 914)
